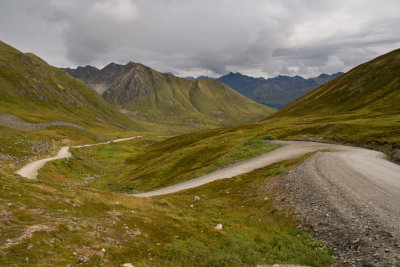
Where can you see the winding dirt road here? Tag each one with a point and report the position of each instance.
(370, 162)
(30, 170)
(349, 197)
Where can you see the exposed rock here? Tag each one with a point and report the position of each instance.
(28, 232)
(12, 121)
(127, 265)
(196, 198)
(83, 260)
(217, 113)
(135, 233)
(396, 156)
(218, 227)
(8, 157)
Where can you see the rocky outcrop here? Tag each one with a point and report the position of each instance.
(12, 121)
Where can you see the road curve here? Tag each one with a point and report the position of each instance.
(351, 200)
(31, 169)
(371, 164)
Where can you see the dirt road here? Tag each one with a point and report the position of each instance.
(30, 170)
(289, 150)
(350, 200)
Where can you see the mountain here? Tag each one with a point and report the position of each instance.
(31, 91)
(198, 78)
(151, 96)
(276, 92)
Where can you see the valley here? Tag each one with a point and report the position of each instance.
(131, 165)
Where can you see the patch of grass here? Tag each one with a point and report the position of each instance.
(235, 249)
(77, 222)
(90, 166)
(268, 137)
(275, 171)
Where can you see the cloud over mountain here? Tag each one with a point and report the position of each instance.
(188, 37)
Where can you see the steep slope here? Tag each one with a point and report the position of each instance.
(276, 92)
(371, 89)
(149, 95)
(31, 91)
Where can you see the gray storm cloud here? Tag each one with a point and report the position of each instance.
(188, 37)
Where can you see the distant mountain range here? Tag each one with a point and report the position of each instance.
(275, 92)
(161, 98)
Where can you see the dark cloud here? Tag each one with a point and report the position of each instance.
(191, 37)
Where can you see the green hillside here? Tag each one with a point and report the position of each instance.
(36, 92)
(370, 89)
(151, 96)
(360, 107)
(43, 108)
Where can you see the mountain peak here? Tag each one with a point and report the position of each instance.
(158, 97)
(275, 92)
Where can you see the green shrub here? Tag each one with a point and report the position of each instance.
(268, 137)
(275, 171)
(240, 250)
(300, 249)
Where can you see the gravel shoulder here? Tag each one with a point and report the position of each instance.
(350, 200)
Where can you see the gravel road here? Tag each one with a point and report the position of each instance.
(350, 199)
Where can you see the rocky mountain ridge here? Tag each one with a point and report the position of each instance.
(144, 93)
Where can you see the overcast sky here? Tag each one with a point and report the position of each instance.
(205, 37)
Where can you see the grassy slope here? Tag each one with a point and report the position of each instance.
(360, 107)
(369, 90)
(47, 224)
(37, 92)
